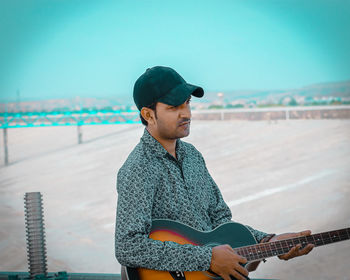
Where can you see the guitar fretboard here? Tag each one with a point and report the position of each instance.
(276, 248)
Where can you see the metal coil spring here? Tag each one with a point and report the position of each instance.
(36, 249)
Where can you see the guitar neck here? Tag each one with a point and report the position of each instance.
(276, 248)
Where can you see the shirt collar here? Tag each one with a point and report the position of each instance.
(157, 148)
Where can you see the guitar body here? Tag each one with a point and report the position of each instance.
(234, 234)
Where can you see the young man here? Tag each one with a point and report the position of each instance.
(166, 178)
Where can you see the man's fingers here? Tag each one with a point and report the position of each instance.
(305, 233)
(307, 249)
(225, 277)
(242, 270)
(289, 254)
(242, 260)
(237, 275)
(295, 252)
(230, 248)
(225, 262)
(292, 253)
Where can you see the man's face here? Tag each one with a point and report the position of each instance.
(173, 122)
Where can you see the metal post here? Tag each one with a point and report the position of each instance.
(36, 248)
(80, 134)
(5, 146)
(18, 101)
(287, 114)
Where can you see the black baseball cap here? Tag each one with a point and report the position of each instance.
(163, 84)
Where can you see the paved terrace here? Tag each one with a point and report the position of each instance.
(276, 176)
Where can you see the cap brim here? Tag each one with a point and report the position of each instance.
(181, 93)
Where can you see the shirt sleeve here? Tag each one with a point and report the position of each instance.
(133, 247)
(220, 212)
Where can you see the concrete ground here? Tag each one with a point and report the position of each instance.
(277, 177)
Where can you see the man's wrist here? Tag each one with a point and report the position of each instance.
(267, 238)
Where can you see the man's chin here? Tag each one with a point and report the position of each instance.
(184, 133)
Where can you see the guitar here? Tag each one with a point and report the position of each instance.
(234, 234)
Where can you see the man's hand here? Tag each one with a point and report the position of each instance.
(295, 251)
(226, 262)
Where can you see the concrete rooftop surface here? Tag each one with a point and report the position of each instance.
(277, 177)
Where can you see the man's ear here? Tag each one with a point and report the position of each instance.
(148, 115)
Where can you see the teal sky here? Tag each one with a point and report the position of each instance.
(66, 48)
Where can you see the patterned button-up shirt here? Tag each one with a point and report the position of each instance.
(152, 184)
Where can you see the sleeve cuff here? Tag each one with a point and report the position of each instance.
(207, 252)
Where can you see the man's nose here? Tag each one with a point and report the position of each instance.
(185, 110)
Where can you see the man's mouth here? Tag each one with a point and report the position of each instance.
(185, 123)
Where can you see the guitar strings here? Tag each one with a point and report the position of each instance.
(264, 250)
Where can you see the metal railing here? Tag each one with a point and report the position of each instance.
(69, 118)
(79, 118)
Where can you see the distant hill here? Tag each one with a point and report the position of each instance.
(335, 89)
